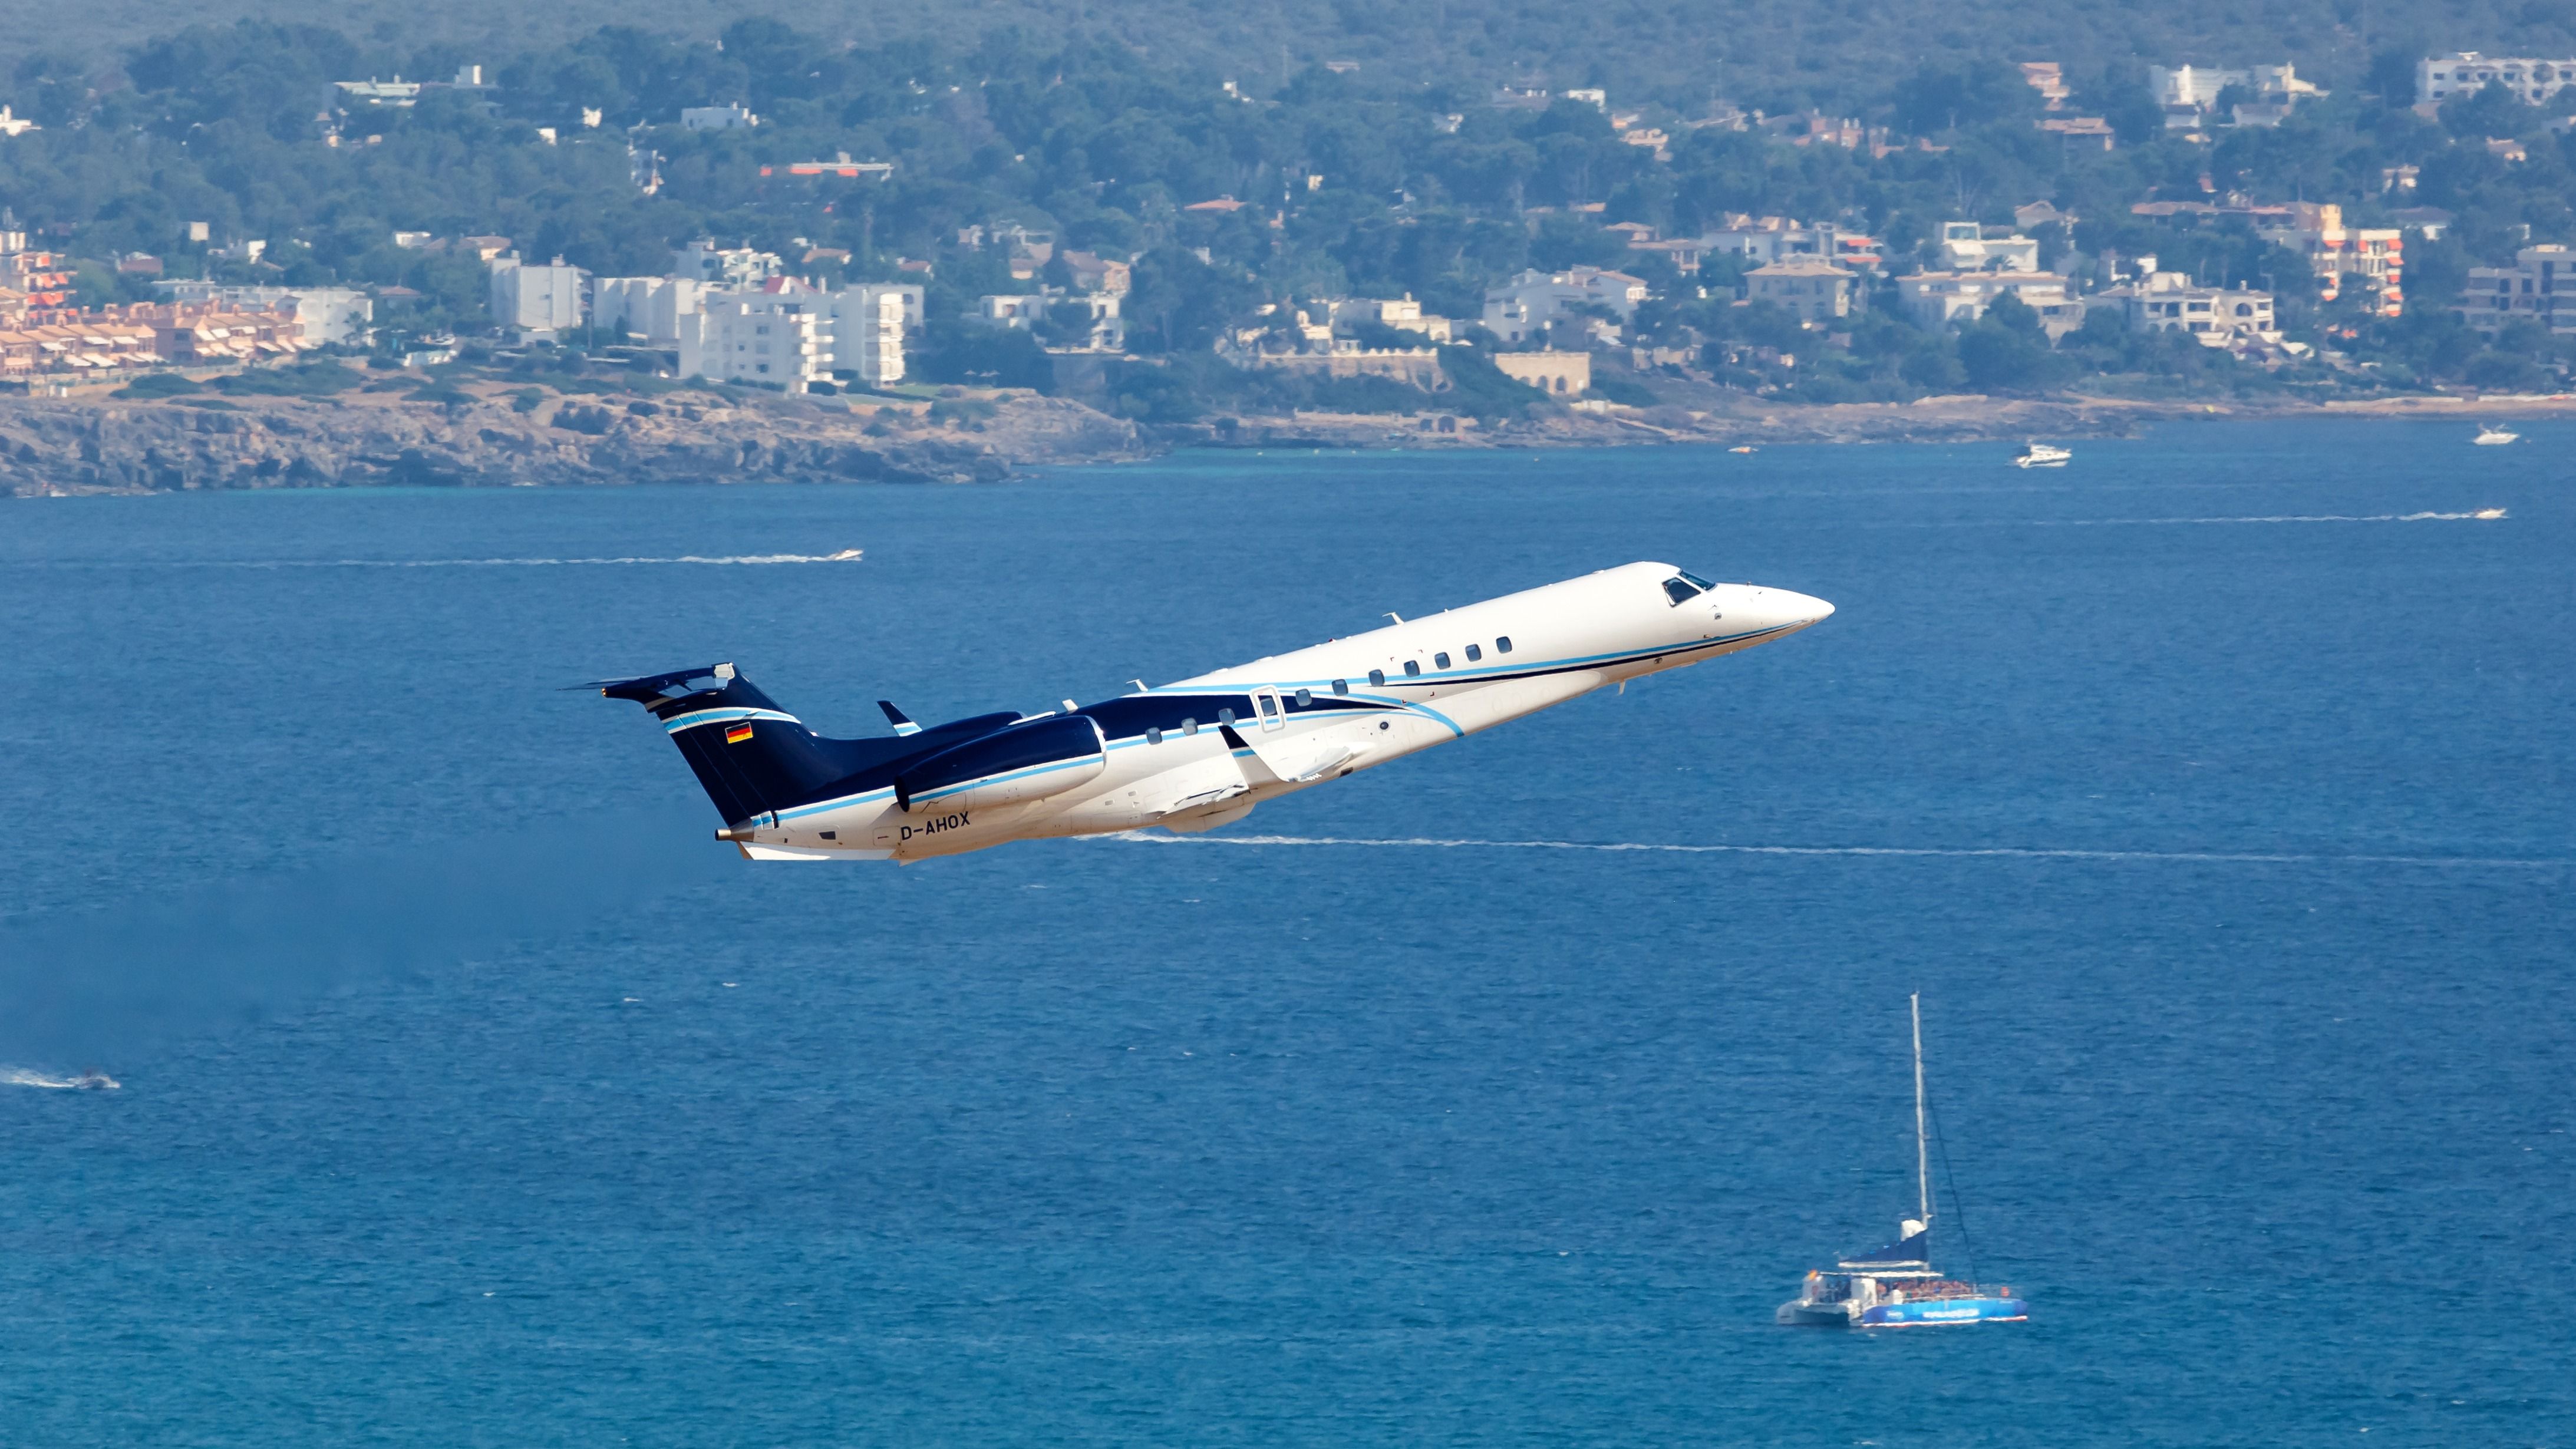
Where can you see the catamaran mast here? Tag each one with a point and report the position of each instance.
(1922, 1161)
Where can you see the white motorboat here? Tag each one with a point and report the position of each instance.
(2491, 436)
(2041, 455)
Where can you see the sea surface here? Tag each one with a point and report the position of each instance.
(2214, 792)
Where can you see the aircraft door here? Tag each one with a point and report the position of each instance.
(1274, 715)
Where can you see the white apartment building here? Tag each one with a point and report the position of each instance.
(730, 117)
(867, 334)
(339, 316)
(786, 334)
(535, 301)
(648, 307)
(2214, 316)
(777, 335)
(1937, 299)
(2540, 285)
(909, 293)
(1522, 308)
(2466, 73)
(1965, 247)
(703, 262)
(2197, 86)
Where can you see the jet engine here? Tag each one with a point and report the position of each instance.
(1027, 761)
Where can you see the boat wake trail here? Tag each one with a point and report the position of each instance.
(2482, 515)
(847, 555)
(2000, 852)
(21, 1077)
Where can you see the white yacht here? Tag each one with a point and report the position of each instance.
(2491, 436)
(1896, 1286)
(2041, 455)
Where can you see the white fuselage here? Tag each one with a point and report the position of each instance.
(1314, 715)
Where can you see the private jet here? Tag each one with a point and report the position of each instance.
(1202, 752)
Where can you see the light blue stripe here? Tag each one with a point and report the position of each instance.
(1454, 675)
(696, 718)
(824, 806)
(982, 780)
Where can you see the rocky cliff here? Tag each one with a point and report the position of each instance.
(51, 445)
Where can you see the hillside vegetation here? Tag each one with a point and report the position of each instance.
(1353, 185)
(1831, 52)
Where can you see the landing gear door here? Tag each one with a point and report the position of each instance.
(1274, 715)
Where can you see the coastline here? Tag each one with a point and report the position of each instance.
(488, 437)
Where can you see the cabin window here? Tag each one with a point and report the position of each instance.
(1440, 660)
(1225, 716)
(1269, 705)
(1153, 734)
(1341, 686)
(1503, 645)
(1304, 699)
(1189, 727)
(1412, 667)
(1678, 590)
(1377, 676)
(1474, 653)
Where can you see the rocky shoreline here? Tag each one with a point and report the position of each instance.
(105, 445)
(59, 446)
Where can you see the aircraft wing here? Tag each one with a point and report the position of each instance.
(1292, 763)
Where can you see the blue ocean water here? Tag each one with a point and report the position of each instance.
(2219, 809)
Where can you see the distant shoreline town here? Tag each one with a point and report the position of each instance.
(1537, 263)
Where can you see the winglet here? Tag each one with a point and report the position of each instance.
(903, 724)
(1256, 770)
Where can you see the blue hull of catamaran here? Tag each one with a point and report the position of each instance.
(1945, 1310)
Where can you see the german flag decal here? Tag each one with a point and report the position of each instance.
(737, 733)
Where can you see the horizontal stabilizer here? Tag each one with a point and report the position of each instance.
(645, 689)
(902, 722)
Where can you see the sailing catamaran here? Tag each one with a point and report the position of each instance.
(1895, 1286)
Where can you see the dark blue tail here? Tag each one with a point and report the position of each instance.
(755, 759)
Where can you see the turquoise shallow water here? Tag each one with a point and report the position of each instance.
(473, 1096)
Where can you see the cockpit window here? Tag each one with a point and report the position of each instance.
(1680, 590)
(1697, 582)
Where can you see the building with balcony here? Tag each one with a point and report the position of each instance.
(1771, 238)
(1523, 308)
(1036, 312)
(2540, 286)
(2377, 255)
(2213, 316)
(331, 316)
(2465, 73)
(1936, 300)
(1809, 290)
(1968, 247)
(778, 334)
(707, 264)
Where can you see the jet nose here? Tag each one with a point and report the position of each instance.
(1757, 609)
